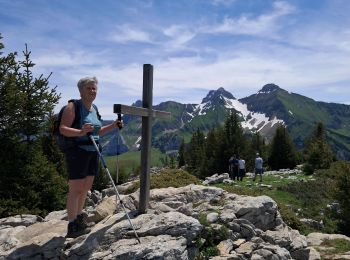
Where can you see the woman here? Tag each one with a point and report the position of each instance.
(82, 160)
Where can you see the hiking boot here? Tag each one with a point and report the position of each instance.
(75, 230)
(82, 221)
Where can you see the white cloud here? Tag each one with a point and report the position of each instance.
(337, 90)
(180, 36)
(264, 25)
(126, 33)
(63, 58)
(242, 74)
(324, 38)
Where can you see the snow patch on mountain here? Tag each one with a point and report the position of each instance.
(202, 107)
(191, 115)
(265, 92)
(252, 120)
(199, 110)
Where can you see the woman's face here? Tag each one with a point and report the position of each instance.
(89, 92)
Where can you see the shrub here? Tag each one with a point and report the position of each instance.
(338, 246)
(208, 252)
(168, 178)
(210, 237)
(308, 169)
(342, 194)
(291, 219)
(203, 219)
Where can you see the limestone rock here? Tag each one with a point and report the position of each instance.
(169, 229)
(20, 220)
(316, 239)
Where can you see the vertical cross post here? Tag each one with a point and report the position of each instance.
(148, 114)
(147, 99)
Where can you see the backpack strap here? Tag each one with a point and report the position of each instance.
(98, 114)
(77, 108)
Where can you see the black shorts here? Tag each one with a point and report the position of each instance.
(81, 163)
(241, 172)
(258, 171)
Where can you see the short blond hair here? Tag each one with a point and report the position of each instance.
(86, 81)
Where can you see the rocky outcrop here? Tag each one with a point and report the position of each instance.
(225, 178)
(251, 227)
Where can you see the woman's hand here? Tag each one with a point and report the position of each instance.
(87, 128)
(118, 123)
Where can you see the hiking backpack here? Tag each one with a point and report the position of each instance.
(64, 142)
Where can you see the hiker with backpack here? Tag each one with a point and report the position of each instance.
(77, 119)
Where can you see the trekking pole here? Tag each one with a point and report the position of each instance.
(117, 164)
(110, 178)
(118, 148)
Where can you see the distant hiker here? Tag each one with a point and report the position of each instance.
(231, 164)
(258, 166)
(233, 167)
(241, 166)
(82, 160)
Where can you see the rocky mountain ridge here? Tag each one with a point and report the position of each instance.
(262, 112)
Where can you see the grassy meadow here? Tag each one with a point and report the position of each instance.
(129, 163)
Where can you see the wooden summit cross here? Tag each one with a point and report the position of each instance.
(147, 114)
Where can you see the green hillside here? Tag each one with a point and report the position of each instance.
(305, 113)
(129, 162)
(301, 114)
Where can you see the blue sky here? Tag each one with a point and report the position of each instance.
(194, 45)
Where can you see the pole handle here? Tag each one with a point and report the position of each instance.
(120, 119)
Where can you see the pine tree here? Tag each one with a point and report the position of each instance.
(11, 100)
(29, 182)
(208, 166)
(342, 194)
(283, 153)
(195, 152)
(258, 143)
(221, 155)
(317, 152)
(205, 156)
(233, 142)
(181, 156)
(40, 100)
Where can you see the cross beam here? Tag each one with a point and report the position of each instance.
(148, 114)
(140, 111)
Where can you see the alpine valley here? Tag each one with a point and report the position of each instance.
(261, 112)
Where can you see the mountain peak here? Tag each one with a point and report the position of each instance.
(217, 95)
(138, 103)
(271, 87)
